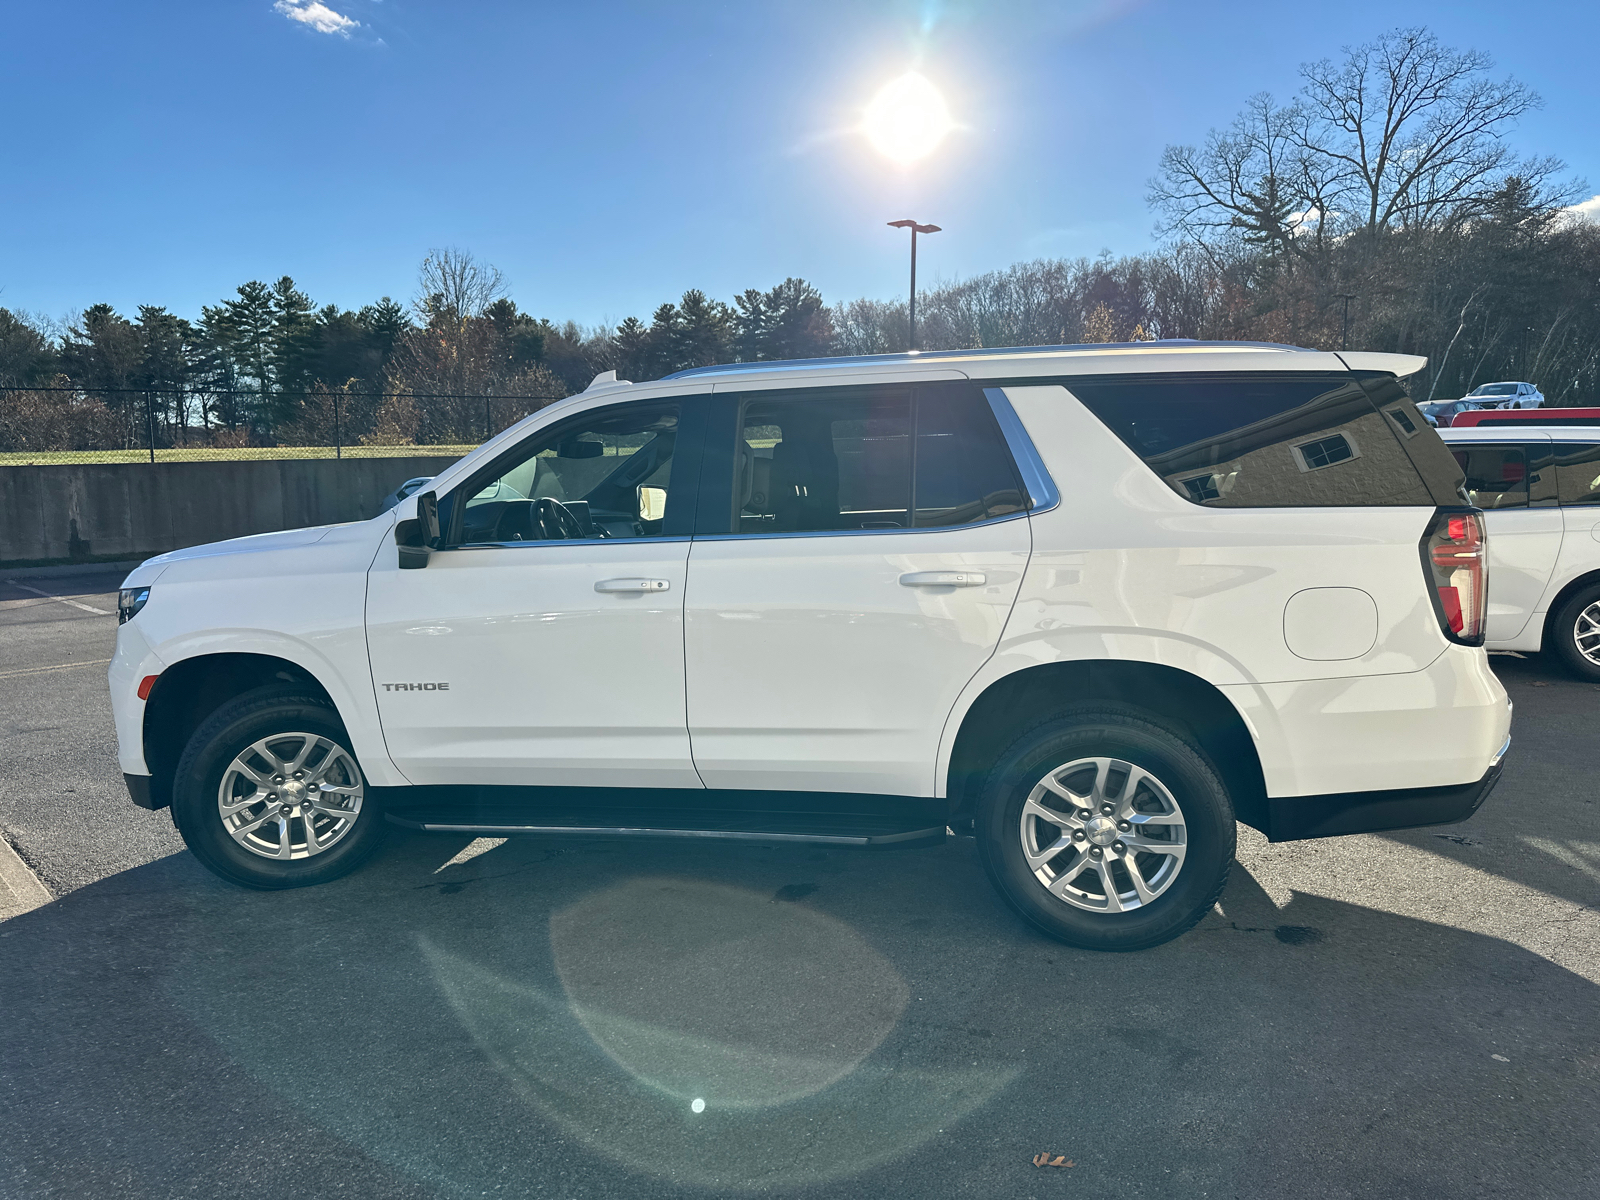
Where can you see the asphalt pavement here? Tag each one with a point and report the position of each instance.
(1415, 1014)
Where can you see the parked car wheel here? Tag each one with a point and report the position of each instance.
(1574, 633)
(268, 793)
(1107, 829)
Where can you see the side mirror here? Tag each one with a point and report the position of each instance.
(428, 514)
(652, 503)
(418, 537)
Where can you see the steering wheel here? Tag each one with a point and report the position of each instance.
(546, 520)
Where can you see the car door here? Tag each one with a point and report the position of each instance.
(1514, 483)
(857, 557)
(544, 645)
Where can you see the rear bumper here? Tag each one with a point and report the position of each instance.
(1294, 818)
(1435, 728)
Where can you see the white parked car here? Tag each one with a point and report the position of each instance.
(1539, 489)
(1087, 604)
(1507, 395)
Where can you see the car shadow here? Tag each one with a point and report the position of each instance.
(593, 1018)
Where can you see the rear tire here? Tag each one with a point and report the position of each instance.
(257, 817)
(1574, 633)
(1107, 829)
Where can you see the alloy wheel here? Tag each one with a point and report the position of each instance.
(1103, 835)
(1586, 633)
(290, 796)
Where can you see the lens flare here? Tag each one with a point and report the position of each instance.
(907, 119)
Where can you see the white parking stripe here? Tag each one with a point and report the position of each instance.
(93, 662)
(20, 889)
(88, 608)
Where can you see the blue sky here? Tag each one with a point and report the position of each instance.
(608, 156)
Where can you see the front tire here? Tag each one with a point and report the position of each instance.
(268, 793)
(1574, 633)
(1107, 829)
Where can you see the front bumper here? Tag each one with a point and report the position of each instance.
(1294, 818)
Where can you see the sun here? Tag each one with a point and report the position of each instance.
(907, 119)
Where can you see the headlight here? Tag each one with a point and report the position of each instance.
(129, 602)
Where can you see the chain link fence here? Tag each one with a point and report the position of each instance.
(48, 425)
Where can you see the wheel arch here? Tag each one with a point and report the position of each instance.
(190, 690)
(1023, 696)
(1568, 590)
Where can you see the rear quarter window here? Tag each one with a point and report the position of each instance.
(1278, 441)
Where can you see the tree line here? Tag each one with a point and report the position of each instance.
(1382, 208)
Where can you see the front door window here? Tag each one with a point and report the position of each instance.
(604, 475)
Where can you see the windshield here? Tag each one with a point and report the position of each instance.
(1496, 389)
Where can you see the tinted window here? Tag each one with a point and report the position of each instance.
(963, 471)
(1497, 476)
(1577, 473)
(839, 462)
(604, 474)
(885, 459)
(1263, 441)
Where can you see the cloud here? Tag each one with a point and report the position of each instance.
(317, 15)
(1588, 210)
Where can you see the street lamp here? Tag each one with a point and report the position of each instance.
(1344, 337)
(915, 229)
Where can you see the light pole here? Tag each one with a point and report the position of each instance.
(915, 229)
(1344, 337)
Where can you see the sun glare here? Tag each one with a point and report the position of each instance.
(907, 119)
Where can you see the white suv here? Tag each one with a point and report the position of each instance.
(1087, 604)
(1507, 395)
(1539, 488)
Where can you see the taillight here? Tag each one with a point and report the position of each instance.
(1455, 559)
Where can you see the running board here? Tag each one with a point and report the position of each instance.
(898, 838)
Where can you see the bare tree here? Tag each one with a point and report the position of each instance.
(1414, 129)
(1255, 180)
(452, 285)
(1402, 131)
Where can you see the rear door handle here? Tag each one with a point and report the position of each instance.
(944, 579)
(632, 585)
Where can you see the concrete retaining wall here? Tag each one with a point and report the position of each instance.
(133, 510)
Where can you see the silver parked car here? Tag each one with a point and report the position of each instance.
(1507, 395)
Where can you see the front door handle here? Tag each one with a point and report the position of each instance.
(944, 579)
(629, 586)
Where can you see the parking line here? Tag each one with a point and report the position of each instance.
(20, 889)
(88, 608)
(94, 662)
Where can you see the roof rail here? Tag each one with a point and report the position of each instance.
(915, 356)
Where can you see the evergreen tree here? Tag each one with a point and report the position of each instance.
(27, 358)
(245, 327)
(790, 321)
(293, 349)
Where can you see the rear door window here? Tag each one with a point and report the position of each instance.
(1274, 441)
(1497, 475)
(838, 463)
(1577, 473)
(963, 471)
(881, 459)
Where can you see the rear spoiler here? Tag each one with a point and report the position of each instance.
(1398, 365)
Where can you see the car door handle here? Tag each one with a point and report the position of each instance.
(944, 579)
(632, 585)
